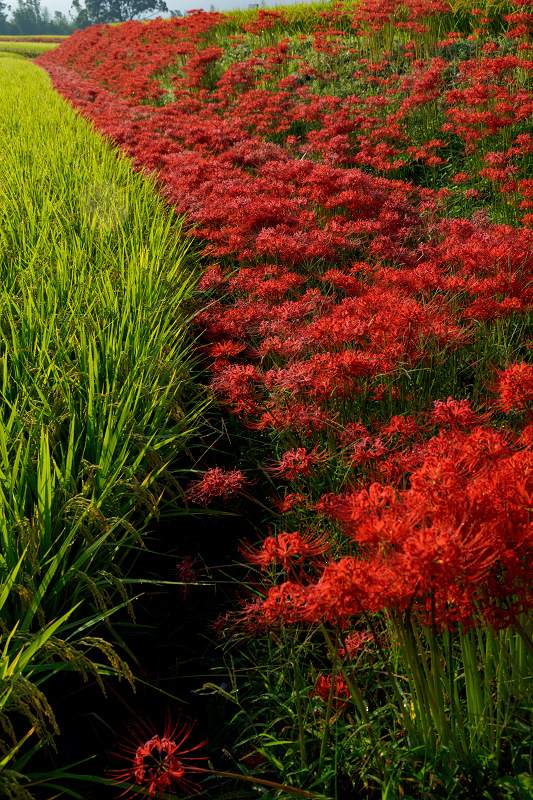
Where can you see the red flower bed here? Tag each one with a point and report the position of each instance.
(340, 264)
(46, 39)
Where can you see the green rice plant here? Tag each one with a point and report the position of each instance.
(97, 396)
(93, 342)
(27, 49)
(26, 661)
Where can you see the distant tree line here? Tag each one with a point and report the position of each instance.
(30, 17)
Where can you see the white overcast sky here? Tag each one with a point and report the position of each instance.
(180, 5)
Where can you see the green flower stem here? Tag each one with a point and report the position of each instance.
(329, 707)
(260, 781)
(299, 711)
(357, 698)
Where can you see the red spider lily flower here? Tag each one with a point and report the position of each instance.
(289, 501)
(187, 572)
(323, 688)
(515, 387)
(157, 763)
(286, 548)
(401, 427)
(355, 643)
(456, 413)
(526, 437)
(225, 349)
(217, 482)
(298, 462)
(367, 449)
(213, 277)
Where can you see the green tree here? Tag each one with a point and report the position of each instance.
(91, 12)
(61, 25)
(29, 17)
(4, 24)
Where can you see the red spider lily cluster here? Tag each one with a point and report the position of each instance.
(453, 547)
(288, 341)
(336, 263)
